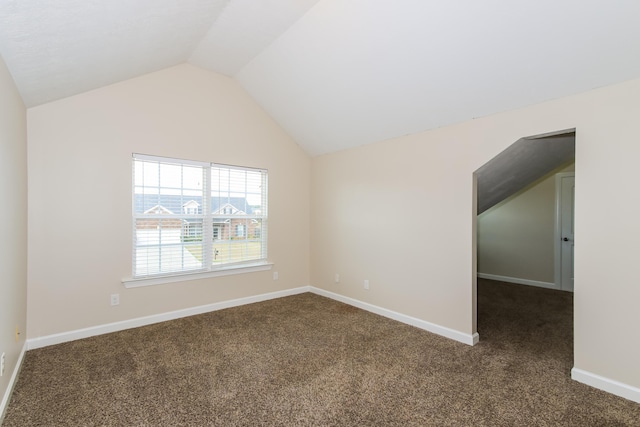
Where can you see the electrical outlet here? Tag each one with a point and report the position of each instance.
(337, 278)
(2, 359)
(115, 299)
(275, 275)
(366, 284)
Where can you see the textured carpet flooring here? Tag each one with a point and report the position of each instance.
(309, 361)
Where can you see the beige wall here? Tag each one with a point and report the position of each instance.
(13, 224)
(80, 194)
(401, 213)
(516, 237)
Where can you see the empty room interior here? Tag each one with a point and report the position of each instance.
(275, 163)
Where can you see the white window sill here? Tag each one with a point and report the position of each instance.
(130, 282)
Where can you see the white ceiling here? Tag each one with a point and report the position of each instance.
(334, 73)
(58, 48)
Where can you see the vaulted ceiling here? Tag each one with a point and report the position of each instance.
(334, 73)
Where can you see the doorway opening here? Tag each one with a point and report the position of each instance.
(519, 244)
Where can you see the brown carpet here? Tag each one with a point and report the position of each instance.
(309, 361)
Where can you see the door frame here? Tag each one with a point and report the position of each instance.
(558, 229)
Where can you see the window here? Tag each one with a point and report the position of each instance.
(191, 217)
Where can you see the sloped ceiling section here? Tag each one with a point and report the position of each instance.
(334, 73)
(59, 48)
(522, 163)
(353, 72)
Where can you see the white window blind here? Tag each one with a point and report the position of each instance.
(193, 216)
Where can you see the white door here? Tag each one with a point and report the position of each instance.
(566, 192)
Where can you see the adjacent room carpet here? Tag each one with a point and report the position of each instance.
(306, 360)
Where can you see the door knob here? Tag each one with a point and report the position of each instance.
(566, 239)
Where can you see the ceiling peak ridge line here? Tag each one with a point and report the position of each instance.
(244, 30)
(275, 39)
(211, 25)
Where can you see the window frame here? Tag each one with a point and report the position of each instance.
(210, 267)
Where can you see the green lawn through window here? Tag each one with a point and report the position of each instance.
(228, 251)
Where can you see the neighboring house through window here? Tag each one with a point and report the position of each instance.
(191, 207)
(196, 217)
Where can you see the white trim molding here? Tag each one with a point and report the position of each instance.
(45, 341)
(12, 383)
(469, 339)
(557, 229)
(518, 281)
(606, 384)
(130, 282)
(156, 318)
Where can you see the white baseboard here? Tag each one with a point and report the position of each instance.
(156, 318)
(517, 280)
(593, 380)
(12, 383)
(606, 384)
(470, 339)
